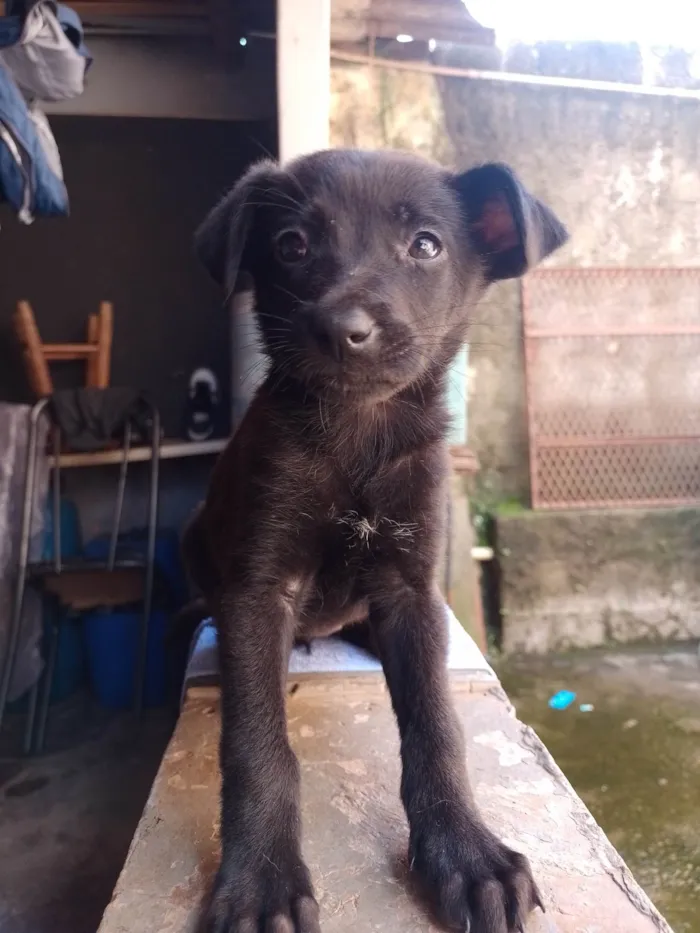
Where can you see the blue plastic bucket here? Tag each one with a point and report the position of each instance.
(112, 639)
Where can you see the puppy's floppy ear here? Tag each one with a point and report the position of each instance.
(220, 241)
(511, 230)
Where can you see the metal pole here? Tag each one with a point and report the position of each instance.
(57, 562)
(150, 565)
(46, 693)
(119, 505)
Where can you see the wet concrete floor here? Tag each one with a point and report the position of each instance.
(634, 758)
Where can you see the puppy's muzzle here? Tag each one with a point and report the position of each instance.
(345, 335)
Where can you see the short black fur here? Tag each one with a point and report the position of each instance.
(326, 509)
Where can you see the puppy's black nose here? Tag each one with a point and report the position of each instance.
(356, 328)
(346, 333)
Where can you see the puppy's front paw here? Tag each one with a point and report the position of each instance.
(477, 884)
(269, 898)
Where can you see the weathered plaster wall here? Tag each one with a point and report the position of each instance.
(375, 107)
(580, 579)
(620, 169)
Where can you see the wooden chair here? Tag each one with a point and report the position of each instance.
(96, 352)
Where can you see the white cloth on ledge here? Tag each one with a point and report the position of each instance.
(333, 655)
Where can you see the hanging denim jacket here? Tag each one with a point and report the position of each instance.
(42, 56)
(27, 181)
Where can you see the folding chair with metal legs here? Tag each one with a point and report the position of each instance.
(79, 583)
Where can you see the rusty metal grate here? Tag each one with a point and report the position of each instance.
(613, 386)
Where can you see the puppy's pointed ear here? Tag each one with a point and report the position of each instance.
(221, 240)
(511, 230)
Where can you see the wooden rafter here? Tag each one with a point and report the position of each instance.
(147, 9)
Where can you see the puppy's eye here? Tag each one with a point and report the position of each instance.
(291, 247)
(425, 246)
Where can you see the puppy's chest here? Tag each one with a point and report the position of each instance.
(363, 530)
(384, 513)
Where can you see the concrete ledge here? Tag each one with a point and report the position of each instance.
(355, 833)
(581, 579)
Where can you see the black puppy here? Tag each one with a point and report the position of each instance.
(327, 507)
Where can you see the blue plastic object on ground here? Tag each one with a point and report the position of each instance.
(562, 700)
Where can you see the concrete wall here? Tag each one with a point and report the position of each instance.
(620, 168)
(581, 579)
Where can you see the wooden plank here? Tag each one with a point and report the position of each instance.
(28, 336)
(105, 330)
(148, 9)
(68, 351)
(169, 450)
(85, 590)
(93, 329)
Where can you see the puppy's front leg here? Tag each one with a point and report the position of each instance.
(263, 883)
(476, 882)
